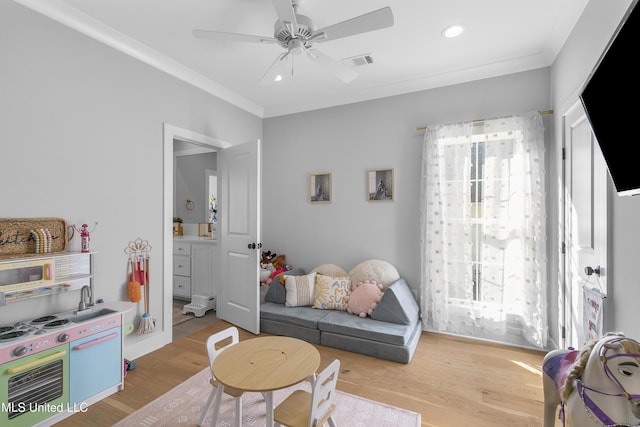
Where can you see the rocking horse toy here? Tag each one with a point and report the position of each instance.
(596, 386)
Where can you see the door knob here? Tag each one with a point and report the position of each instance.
(588, 270)
(254, 245)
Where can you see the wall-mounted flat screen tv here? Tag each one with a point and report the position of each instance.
(610, 98)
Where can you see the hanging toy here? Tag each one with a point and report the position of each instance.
(133, 288)
(138, 251)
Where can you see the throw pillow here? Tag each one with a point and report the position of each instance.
(331, 292)
(332, 270)
(364, 298)
(277, 292)
(374, 269)
(300, 290)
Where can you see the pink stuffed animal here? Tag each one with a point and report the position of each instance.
(273, 275)
(364, 298)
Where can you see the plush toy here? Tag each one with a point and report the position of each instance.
(267, 257)
(364, 298)
(278, 262)
(285, 267)
(275, 273)
(265, 274)
(266, 266)
(271, 266)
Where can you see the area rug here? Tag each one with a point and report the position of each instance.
(178, 317)
(182, 406)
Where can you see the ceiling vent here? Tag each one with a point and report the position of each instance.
(357, 61)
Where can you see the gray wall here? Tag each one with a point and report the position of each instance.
(191, 183)
(569, 72)
(350, 139)
(347, 141)
(82, 140)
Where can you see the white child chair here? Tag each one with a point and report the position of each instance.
(304, 409)
(230, 335)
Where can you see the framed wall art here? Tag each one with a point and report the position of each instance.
(320, 187)
(380, 185)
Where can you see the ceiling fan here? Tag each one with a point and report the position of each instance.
(298, 33)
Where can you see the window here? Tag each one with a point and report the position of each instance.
(212, 191)
(477, 165)
(483, 233)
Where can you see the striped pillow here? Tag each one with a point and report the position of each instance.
(300, 290)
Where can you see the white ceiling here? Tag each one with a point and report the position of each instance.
(501, 37)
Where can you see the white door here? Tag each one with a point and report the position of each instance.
(239, 290)
(585, 221)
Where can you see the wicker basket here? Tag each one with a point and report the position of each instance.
(16, 237)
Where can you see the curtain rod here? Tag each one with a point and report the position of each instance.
(545, 112)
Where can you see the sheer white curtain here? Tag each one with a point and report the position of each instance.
(483, 239)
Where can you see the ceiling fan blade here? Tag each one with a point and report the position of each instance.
(277, 72)
(340, 70)
(381, 18)
(286, 13)
(221, 35)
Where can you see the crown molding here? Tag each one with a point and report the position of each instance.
(81, 22)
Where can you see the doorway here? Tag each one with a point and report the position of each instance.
(176, 139)
(585, 220)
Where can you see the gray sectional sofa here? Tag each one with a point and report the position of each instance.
(392, 332)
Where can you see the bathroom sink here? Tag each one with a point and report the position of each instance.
(91, 313)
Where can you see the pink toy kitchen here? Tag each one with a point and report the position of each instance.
(55, 364)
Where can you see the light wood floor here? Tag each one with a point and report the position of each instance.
(450, 381)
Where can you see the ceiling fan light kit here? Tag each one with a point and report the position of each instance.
(284, 32)
(297, 34)
(278, 71)
(453, 31)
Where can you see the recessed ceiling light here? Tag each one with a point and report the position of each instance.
(277, 78)
(452, 31)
